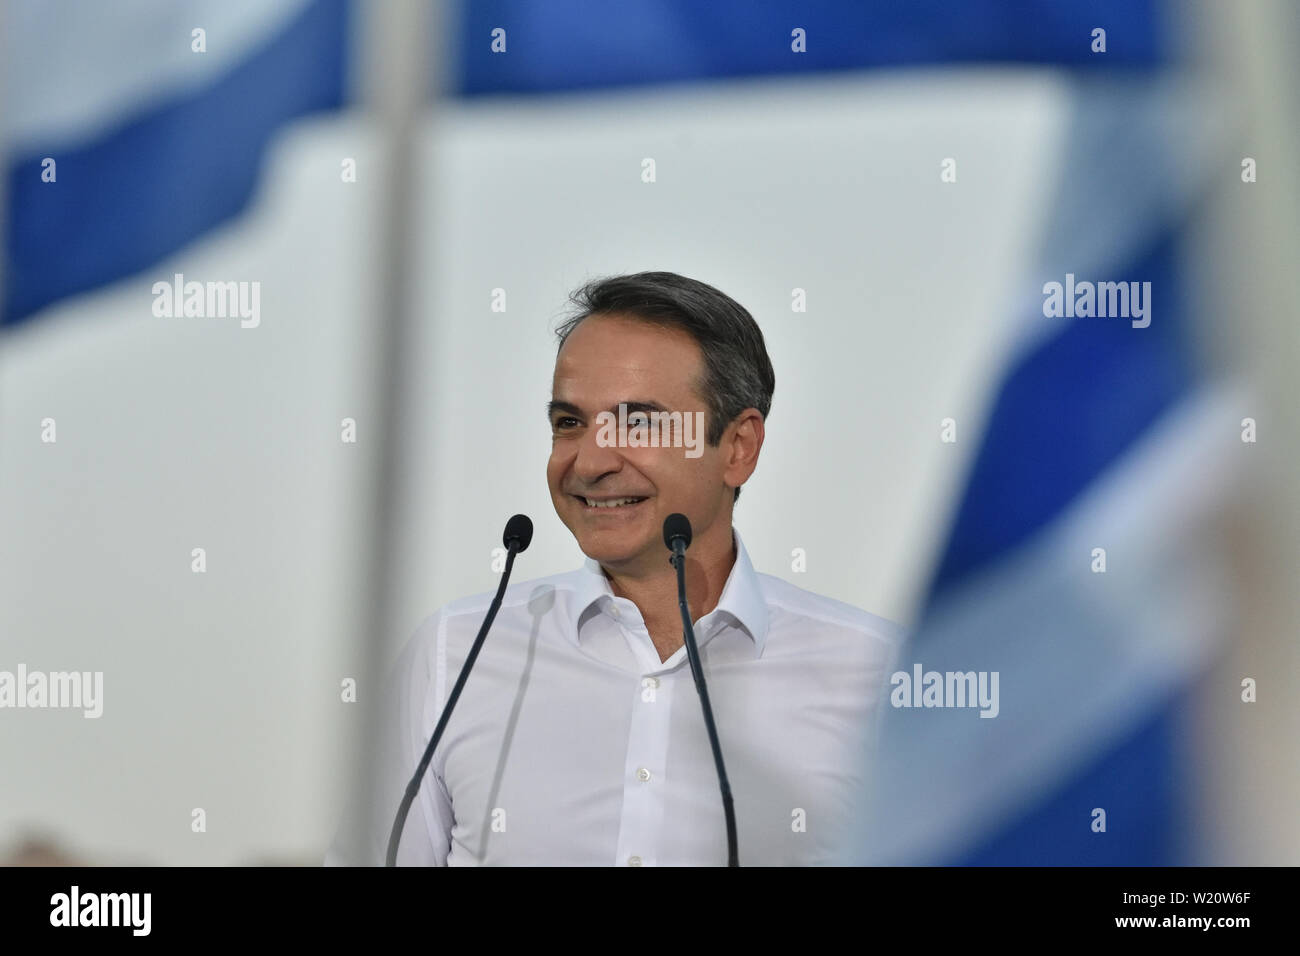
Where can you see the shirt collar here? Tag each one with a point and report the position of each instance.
(742, 596)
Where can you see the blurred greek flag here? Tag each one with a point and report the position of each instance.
(153, 119)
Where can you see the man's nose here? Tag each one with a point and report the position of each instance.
(594, 460)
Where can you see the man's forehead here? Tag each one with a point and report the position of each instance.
(618, 354)
(601, 383)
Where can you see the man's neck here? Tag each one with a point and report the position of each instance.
(708, 566)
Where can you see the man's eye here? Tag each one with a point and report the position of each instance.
(638, 418)
(563, 422)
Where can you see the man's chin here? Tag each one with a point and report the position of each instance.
(610, 551)
(612, 557)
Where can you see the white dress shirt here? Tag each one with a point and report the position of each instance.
(574, 744)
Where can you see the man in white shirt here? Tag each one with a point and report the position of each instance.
(579, 737)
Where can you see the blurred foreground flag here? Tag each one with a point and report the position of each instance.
(133, 127)
(1035, 716)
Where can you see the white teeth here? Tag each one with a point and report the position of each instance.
(613, 503)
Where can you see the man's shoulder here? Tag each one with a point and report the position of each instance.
(534, 595)
(456, 622)
(787, 598)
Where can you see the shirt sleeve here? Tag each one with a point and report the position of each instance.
(408, 716)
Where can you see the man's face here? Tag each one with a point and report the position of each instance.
(609, 360)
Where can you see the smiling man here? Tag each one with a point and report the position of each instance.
(579, 738)
(653, 365)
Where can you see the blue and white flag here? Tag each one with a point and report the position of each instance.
(134, 127)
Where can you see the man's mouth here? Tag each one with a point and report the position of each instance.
(608, 504)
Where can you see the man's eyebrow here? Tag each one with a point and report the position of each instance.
(555, 406)
(641, 407)
(569, 408)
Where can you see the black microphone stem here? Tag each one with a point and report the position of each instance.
(512, 548)
(697, 672)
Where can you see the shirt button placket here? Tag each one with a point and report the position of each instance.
(641, 823)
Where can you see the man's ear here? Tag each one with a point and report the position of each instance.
(741, 444)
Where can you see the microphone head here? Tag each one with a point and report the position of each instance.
(677, 525)
(519, 528)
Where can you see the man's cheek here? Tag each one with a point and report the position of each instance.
(555, 469)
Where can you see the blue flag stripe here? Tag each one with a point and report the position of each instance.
(124, 202)
(577, 44)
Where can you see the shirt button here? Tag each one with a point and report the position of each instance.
(613, 611)
(651, 682)
(633, 861)
(643, 774)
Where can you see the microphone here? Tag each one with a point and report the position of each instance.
(518, 535)
(677, 526)
(519, 530)
(677, 535)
